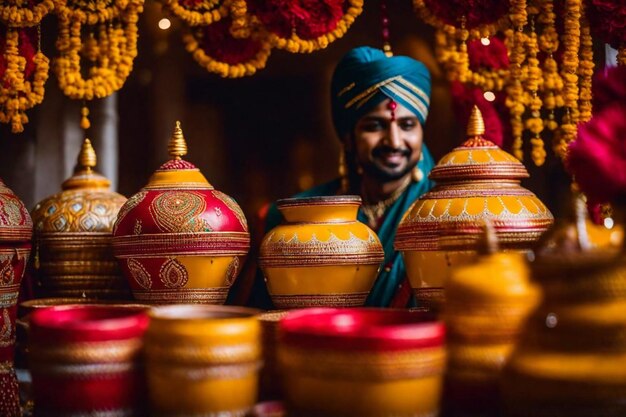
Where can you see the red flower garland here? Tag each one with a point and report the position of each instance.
(476, 12)
(309, 19)
(492, 56)
(608, 21)
(218, 43)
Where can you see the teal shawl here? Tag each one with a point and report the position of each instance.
(393, 272)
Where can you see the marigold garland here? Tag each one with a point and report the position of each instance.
(533, 82)
(109, 50)
(585, 71)
(197, 12)
(569, 72)
(24, 13)
(300, 28)
(216, 50)
(514, 100)
(552, 81)
(22, 84)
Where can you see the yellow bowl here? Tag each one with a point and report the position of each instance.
(202, 360)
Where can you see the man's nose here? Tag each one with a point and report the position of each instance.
(393, 137)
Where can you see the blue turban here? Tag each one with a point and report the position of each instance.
(366, 76)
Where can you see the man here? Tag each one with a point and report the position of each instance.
(379, 107)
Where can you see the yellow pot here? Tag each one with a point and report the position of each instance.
(202, 360)
(321, 255)
(476, 182)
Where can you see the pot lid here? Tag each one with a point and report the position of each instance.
(85, 204)
(15, 222)
(477, 158)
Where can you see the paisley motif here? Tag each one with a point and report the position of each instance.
(10, 212)
(233, 206)
(173, 274)
(139, 274)
(7, 274)
(232, 271)
(6, 332)
(179, 212)
(130, 204)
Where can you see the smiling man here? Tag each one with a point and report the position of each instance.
(379, 107)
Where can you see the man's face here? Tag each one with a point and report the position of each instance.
(385, 149)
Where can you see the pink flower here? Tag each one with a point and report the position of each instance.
(609, 86)
(219, 44)
(608, 21)
(597, 158)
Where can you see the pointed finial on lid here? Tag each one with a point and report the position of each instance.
(177, 146)
(476, 124)
(87, 157)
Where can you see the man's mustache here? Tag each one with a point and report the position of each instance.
(386, 150)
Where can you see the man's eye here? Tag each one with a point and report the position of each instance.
(408, 124)
(372, 126)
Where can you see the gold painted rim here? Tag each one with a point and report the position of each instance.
(320, 201)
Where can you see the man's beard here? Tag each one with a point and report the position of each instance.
(383, 172)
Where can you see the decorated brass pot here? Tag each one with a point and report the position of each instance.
(179, 239)
(85, 360)
(487, 303)
(16, 229)
(477, 181)
(73, 236)
(321, 255)
(361, 363)
(570, 361)
(202, 360)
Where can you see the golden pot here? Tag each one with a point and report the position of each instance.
(321, 255)
(179, 240)
(73, 236)
(361, 363)
(487, 303)
(476, 182)
(202, 360)
(569, 361)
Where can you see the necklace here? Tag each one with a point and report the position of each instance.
(375, 211)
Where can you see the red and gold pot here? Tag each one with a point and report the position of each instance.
(321, 255)
(361, 362)
(85, 360)
(202, 360)
(73, 236)
(16, 229)
(476, 182)
(179, 240)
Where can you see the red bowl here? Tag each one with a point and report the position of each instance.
(368, 329)
(87, 323)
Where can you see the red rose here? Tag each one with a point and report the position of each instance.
(597, 158)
